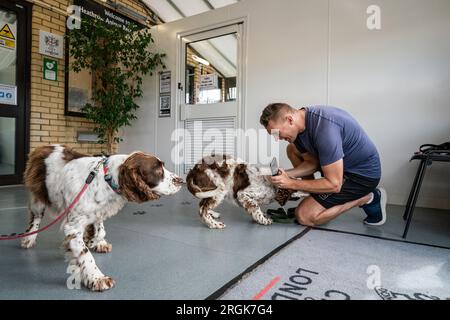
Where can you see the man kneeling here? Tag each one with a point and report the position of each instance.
(331, 140)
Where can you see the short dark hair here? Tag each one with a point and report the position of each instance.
(273, 111)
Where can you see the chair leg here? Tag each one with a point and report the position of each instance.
(423, 166)
(411, 193)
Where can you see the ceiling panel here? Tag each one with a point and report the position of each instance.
(227, 46)
(166, 11)
(215, 58)
(221, 3)
(163, 9)
(191, 7)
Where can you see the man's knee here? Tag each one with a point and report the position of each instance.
(304, 217)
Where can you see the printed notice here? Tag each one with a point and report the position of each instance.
(8, 94)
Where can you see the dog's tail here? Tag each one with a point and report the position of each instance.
(207, 194)
(201, 192)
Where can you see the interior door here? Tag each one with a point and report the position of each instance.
(211, 92)
(14, 88)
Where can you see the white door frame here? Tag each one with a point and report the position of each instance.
(183, 111)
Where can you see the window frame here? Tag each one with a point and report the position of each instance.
(67, 112)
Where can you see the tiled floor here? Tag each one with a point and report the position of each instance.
(162, 251)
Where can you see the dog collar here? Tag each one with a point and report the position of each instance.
(108, 177)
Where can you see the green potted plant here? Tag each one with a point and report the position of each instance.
(118, 60)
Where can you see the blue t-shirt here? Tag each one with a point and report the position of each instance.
(332, 134)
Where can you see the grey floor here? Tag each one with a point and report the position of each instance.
(162, 251)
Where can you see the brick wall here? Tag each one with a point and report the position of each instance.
(48, 124)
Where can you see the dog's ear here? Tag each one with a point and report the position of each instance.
(132, 184)
(282, 196)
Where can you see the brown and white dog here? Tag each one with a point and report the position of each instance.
(219, 177)
(55, 174)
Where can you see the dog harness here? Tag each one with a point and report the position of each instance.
(87, 182)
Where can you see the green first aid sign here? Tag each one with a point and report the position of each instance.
(50, 69)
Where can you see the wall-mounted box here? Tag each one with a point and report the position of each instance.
(84, 136)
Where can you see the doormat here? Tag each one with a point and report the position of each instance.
(337, 266)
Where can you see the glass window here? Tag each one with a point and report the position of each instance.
(80, 86)
(7, 145)
(8, 47)
(211, 70)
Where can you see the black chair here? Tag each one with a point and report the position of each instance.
(427, 154)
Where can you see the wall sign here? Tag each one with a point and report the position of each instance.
(164, 93)
(50, 68)
(91, 9)
(164, 82)
(8, 94)
(209, 81)
(51, 44)
(7, 38)
(164, 105)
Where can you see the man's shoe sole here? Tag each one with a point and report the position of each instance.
(383, 200)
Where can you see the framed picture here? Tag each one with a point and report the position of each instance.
(164, 105)
(164, 82)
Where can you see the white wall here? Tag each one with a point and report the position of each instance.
(393, 80)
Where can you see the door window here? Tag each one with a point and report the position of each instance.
(211, 70)
(15, 47)
(8, 50)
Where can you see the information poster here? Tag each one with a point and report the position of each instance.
(164, 93)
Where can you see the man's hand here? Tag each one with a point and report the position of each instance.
(282, 180)
(330, 183)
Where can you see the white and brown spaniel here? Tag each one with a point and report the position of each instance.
(55, 174)
(219, 177)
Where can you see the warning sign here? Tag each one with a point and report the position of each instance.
(7, 39)
(10, 44)
(6, 32)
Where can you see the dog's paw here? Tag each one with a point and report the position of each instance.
(101, 284)
(27, 242)
(214, 224)
(264, 221)
(217, 225)
(103, 247)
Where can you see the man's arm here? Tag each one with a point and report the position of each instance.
(309, 165)
(330, 183)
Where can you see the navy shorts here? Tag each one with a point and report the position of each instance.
(354, 187)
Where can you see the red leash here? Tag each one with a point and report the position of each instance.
(89, 179)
